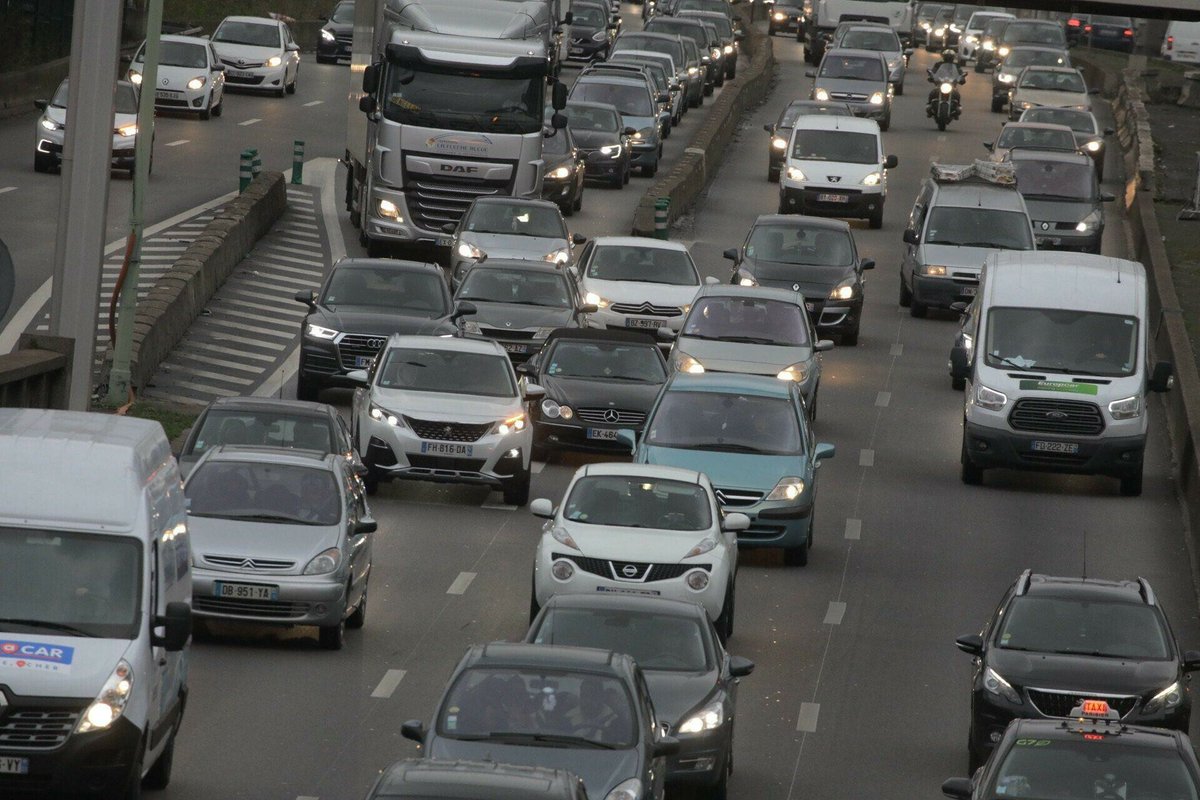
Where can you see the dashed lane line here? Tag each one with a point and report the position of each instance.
(312, 103)
(178, 142)
(866, 457)
(807, 721)
(897, 349)
(461, 583)
(835, 612)
(388, 683)
(8, 189)
(883, 399)
(250, 121)
(854, 529)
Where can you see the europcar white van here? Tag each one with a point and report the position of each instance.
(95, 589)
(1182, 42)
(1056, 360)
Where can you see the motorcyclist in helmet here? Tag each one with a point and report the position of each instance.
(945, 71)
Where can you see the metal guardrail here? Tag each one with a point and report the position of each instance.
(37, 374)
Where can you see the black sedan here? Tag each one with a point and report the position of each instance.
(596, 382)
(593, 30)
(1053, 643)
(520, 304)
(813, 256)
(362, 302)
(604, 139)
(785, 16)
(337, 35)
(583, 710)
(566, 168)
(693, 681)
(781, 131)
(1110, 33)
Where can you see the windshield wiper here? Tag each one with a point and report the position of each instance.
(1095, 653)
(50, 626)
(1008, 361)
(746, 339)
(731, 447)
(269, 518)
(532, 303)
(967, 244)
(543, 738)
(1070, 197)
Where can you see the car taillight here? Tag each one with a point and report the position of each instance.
(1087, 28)
(1128, 32)
(1170, 43)
(1073, 23)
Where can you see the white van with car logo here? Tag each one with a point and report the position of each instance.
(95, 615)
(1055, 356)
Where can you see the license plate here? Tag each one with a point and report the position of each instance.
(633, 322)
(1053, 241)
(362, 361)
(163, 94)
(969, 291)
(443, 242)
(1069, 448)
(833, 198)
(576, 51)
(448, 449)
(10, 765)
(238, 73)
(520, 349)
(623, 590)
(607, 434)
(245, 591)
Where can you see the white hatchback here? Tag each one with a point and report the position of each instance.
(639, 529)
(259, 53)
(190, 76)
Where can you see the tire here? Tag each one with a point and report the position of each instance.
(798, 556)
(906, 296)
(875, 220)
(291, 87)
(975, 758)
(979, 67)
(886, 123)
(720, 789)
(371, 481)
(941, 125)
(851, 339)
(578, 204)
(709, 89)
(1131, 486)
(332, 637)
(899, 89)
(219, 108)
(133, 790)
(772, 175)
(731, 73)
(280, 92)
(650, 171)
(159, 775)
(997, 104)
(356, 620)
(724, 622)
(566, 208)
(42, 163)
(306, 390)
(1100, 171)
(812, 407)
(958, 384)
(516, 490)
(770, 31)
(626, 175)
(205, 114)
(918, 310)
(971, 474)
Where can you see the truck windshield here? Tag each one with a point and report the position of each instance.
(68, 584)
(464, 100)
(1062, 341)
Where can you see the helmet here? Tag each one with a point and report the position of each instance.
(948, 56)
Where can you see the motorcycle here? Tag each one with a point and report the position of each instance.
(945, 104)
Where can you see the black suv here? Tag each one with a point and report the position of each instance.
(1055, 642)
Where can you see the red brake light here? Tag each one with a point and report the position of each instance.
(1095, 708)
(1087, 28)
(1074, 23)
(1128, 33)
(1170, 43)
(1094, 737)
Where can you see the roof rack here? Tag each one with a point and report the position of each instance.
(994, 172)
(1146, 592)
(1023, 582)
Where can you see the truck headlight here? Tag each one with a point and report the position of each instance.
(468, 250)
(796, 174)
(324, 562)
(709, 718)
(197, 83)
(995, 684)
(876, 99)
(1165, 700)
(990, 399)
(328, 35)
(320, 332)
(788, 488)
(274, 61)
(109, 704)
(558, 173)
(820, 94)
(843, 291)
(389, 210)
(872, 179)
(796, 372)
(1126, 408)
(685, 363)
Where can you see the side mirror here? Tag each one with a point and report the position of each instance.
(823, 345)
(666, 747)
(959, 306)
(960, 363)
(366, 525)
(1191, 661)
(41, 105)
(176, 625)
(306, 296)
(370, 80)
(664, 97)
(450, 227)
(910, 236)
(627, 437)
(711, 280)
(1094, 90)
(810, 73)
(463, 309)
(558, 121)
(542, 508)
(578, 238)
(989, 145)
(568, 18)
(971, 644)
(1163, 377)
(292, 47)
(959, 788)
(1106, 197)
(890, 162)
(525, 368)
(559, 96)
(735, 522)
(732, 252)
(628, 131)
(358, 376)
(534, 392)
(769, 128)
(740, 667)
(612, 26)
(866, 263)
(1109, 131)
(908, 51)
(367, 104)
(823, 450)
(218, 67)
(589, 308)
(414, 729)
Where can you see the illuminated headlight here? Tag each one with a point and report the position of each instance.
(1128, 408)
(328, 35)
(787, 489)
(644, 134)
(135, 78)
(127, 130)
(1000, 687)
(939, 32)
(1094, 146)
(613, 150)
(1003, 51)
(877, 99)
(562, 570)
(747, 280)
(946, 88)
(990, 399)
(626, 790)
(1025, 105)
(796, 372)
(968, 343)
(1165, 700)
(685, 363)
(872, 179)
(1005, 77)
(934, 270)
(109, 704)
(728, 49)
(383, 415)
(697, 580)
(843, 291)
(1089, 223)
(972, 39)
(693, 70)
(778, 143)
(702, 547)
(593, 299)
(468, 250)
(560, 256)
(389, 210)
(989, 45)
(558, 173)
(50, 124)
(197, 83)
(780, 16)
(709, 718)
(955, 29)
(894, 65)
(796, 174)
(822, 95)
(319, 332)
(513, 424)
(274, 61)
(926, 27)
(472, 327)
(599, 36)
(716, 53)
(324, 562)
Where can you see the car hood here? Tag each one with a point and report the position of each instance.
(1058, 210)
(444, 407)
(519, 317)
(752, 359)
(364, 319)
(76, 666)
(556, 160)
(593, 139)
(1051, 97)
(618, 543)
(584, 31)
(274, 540)
(949, 255)
(660, 294)
(1081, 673)
(588, 392)
(246, 52)
(59, 115)
(601, 770)
(810, 281)
(504, 245)
(850, 85)
(339, 27)
(728, 470)
(676, 693)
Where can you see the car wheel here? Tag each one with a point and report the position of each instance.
(371, 481)
(851, 339)
(281, 91)
(219, 107)
(205, 113)
(306, 389)
(708, 89)
(918, 310)
(578, 204)
(997, 104)
(812, 406)
(1100, 170)
(972, 475)
(798, 556)
(720, 789)
(42, 163)
(1131, 485)
(731, 73)
(160, 774)
(906, 296)
(649, 171)
(975, 758)
(133, 790)
(885, 123)
(875, 219)
(626, 175)
(516, 490)
(332, 637)
(958, 384)
(772, 174)
(899, 89)
(291, 87)
(724, 624)
(941, 123)
(356, 620)
(566, 208)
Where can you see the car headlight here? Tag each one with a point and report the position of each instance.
(109, 704)
(872, 179)
(693, 70)
(389, 210)
(972, 39)
(728, 49)
(995, 684)
(990, 399)
(320, 332)
(696, 580)
(685, 363)
(989, 45)
(468, 250)
(933, 270)
(562, 536)
(324, 562)
(788, 488)
(626, 790)
(894, 65)
(383, 415)
(877, 99)
(135, 78)
(709, 718)
(599, 36)
(1126, 408)
(1165, 700)
(926, 27)
(472, 327)
(613, 150)
(1006, 77)
(820, 94)
(558, 173)
(560, 256)
(274, 61)
(946, 88)
(703, 546)
(844, 290)
(746, 279)
(796, 372)
(1003, 51)
(551, 409)
(955, 29)
(645, 134)
(779, 143)
(939, 32)
(1089, 223)
(780, 16)
(1094, 146)
(127, 130)
(513, 424)
(197, 82)
(593, 299)
(50, 124)
(796, 174)
(328, 35)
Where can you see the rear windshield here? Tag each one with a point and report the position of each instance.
(838, 146)
(1052, 80)
(266, 428)
(630, 100)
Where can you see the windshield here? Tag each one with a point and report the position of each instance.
(585, 118)
(260, 491)
(979, 227)
(643, 265)
(464, 100)
(794, 112)
(1092, 766)
(1035, 58)
(883, 41)
(588, 17)
(840, 146)
(67, 584)
(747, 319)
(344, 13)
(1033, 34)
(1078, 121)
(422, 293)
(266, 428)
(124, 98)
(1085, 627)
(1052, 80)
(1056, 180)
(178, 54)
(638, 502)
(539, 708)
(630, 100)
(1037, 138)
(656, 641)
(516, 219)
(1059, 340)
(605, 361)
(728, 423)
(520, 286)
(794, 244)
(453, 372)
(852, 68)
(250, 33)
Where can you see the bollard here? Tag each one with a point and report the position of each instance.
(662, 218)
(245, 171)
(298, 161)
(255, 162)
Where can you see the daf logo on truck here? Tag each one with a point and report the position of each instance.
(461, 169)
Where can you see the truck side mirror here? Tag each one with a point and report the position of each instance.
(960, 363)
(558, 121)
(910, 236)
(176, 625)
(559, 93)
(1163, 377)
(366, 104)
(370, 78)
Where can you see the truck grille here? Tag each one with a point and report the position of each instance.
(630, 570)
(1047, 415)
(1059, 704)
(448, 431)
(354, 345)
(434, 201)
(647, 309)
(36, 729)
(623, 416)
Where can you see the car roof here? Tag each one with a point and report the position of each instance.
(1087, 589)
(260, 20)
(486, 347)
(854, 52)
(644, 242)
(1078, 281)
(759, 292)
(1065, 156)
(272, 404)
(641, 471)
(547, 656)
(392, 264)
(658, 606)
(730, 383)
(435, 778)
(976, 194)
(262, 454)
(801, 221)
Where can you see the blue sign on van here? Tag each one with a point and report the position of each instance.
(41, 656)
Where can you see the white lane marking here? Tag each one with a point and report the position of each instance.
(941, 137)
(388, 683)
(866, 457)
(837, 610)
(501, 506)
(177, 142)
(536, 466)
(250, 121)
(178, 368)
(307, 797)
(8, 189)
(312, 103)
(897, 349)
(461, 583)
(883, 399)
(854, 529)
(273, 386)
(216, 348)
(807, 722)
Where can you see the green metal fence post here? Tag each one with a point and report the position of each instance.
(298, 161)
(662, 218)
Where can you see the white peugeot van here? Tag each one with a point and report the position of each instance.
(1055, 356)
(94, 604)
(1182, 42)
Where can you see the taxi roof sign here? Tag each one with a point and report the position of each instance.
(999, 173)
(1095, 709)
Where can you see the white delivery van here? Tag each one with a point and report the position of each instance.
(1182, 42)
(1056, 358)
(95, 591)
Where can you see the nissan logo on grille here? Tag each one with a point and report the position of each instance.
(376, 343)
(629, 571)
(612, 415)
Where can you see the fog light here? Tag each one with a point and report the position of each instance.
(994, 737)
(697, 580)
(514, 453)
(562, 570)
(704, 764)
(320, 608)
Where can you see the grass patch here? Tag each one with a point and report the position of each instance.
(208, 14)
(174, 419)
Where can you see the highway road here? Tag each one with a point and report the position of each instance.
(859, 690)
